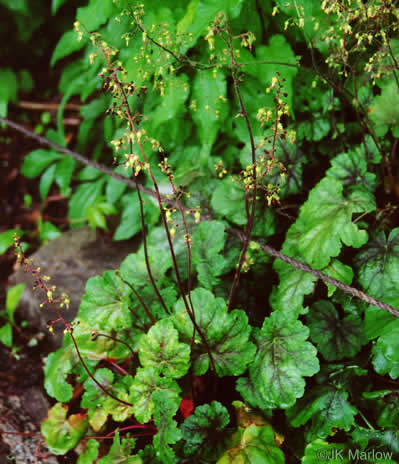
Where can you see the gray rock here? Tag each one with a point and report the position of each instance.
(15, 419)
(70, 260)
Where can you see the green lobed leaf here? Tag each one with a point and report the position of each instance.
(226, 334)
(327, 408)
(82, 81)
(142, 71)
(188, 166)
(228, 200)
(250, 15)
(369, 150)
(327, 219)
(349, 304)
(113, 30)
(254, 441)
(160, 348)
(283, 358)
(204, 432)
(145, 383)
(334, 337)
(61, 433)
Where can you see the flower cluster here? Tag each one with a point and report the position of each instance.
(40, 282)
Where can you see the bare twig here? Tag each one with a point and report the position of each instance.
(46, 106)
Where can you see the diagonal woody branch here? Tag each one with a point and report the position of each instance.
(236, 233)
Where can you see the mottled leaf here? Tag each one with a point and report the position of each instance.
(334, 337)
(351, 169)
(145, 383)
(283, 358)
(204, 431)
(160, 348)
